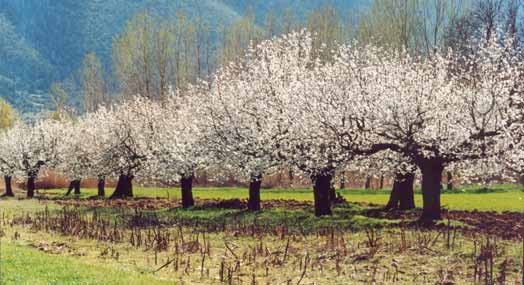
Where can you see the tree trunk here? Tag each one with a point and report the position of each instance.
(402, 194)
(367, 184)
(8, 188)
(343, 180)
(381, 185)
(332, 194)
(253, 203)
(407, 200)
(77, 187)
(31, 186)
(186, 185)
(101, 186)
(431, 178)
(321, 191)
(124, 187)
(70, 188)
(449, 181)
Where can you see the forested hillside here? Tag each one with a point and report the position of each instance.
(42, 41)
(73, 54)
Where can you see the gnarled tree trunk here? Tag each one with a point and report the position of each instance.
(77, 187)
(124, 187)
(322, 196)
(253, 204)
(332, 194)
(431, 179)
(70, 188)
(402, 194)
(8, 187)
(186, 185)
(74, 185)
(31, 186)
(31, 177)
(101, 186)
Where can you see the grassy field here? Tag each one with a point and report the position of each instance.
(496, 198)
(21, 264)
(43, 244)
(33, 253)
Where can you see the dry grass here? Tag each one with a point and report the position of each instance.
(192, 253)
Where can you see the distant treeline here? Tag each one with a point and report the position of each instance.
(175, 44)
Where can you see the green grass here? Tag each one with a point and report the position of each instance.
(499, 202)
(299, 220)
(24, 265)
(504, 197)
(24, 205)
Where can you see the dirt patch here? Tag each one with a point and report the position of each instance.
(507, 225)
(138, 203)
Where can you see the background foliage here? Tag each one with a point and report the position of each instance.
(42, 41)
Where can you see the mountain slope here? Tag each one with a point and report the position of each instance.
(42, 41)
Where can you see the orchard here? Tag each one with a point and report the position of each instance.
(280, 106)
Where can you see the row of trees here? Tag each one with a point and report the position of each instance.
(286, 105)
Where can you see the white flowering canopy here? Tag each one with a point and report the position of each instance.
(247, 112)
(33, 147)
(8, 158)
(123, 134)
(79, 149)
(428, 112)
(177, 146)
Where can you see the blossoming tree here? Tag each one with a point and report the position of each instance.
(34, 146)
(436, 117)
(124, 132)
(8, 162)
(177, 147)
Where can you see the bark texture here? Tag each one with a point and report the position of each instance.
(70, 187)
(124, 187)
(322, 188)
(77, 187)
(101, 186)
(431, 179)
(402, 194)
(186, 185)
(74, 185)
(253, 203)
(8, 187)
(31, 186)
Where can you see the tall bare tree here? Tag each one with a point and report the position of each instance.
(328, 29)
(93, 83)
(391, 23)
(153, 54)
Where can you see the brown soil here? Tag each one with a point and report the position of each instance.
(507, 225)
